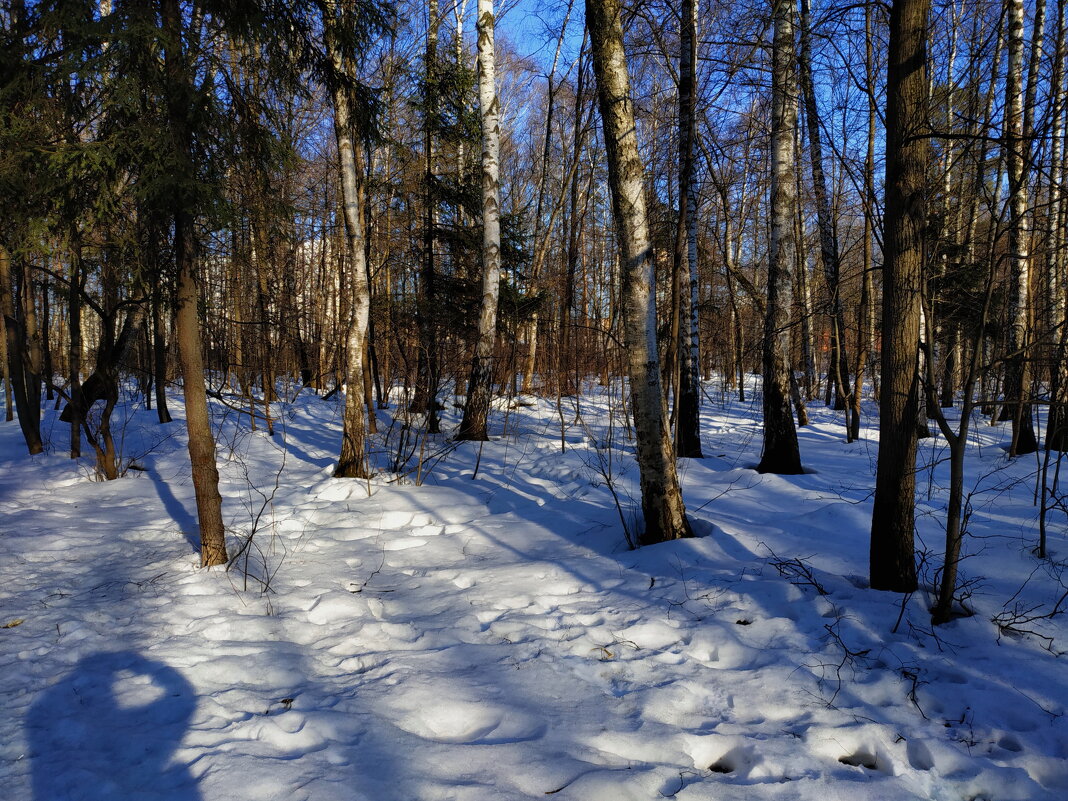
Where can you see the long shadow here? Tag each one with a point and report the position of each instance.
(186, 522)
(107, 732)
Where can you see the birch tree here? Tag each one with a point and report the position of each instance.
(781, 453)
(1017, 374)
(662, 507)
(476, 409)
(352, 462)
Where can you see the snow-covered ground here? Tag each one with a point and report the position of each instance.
(484, 634)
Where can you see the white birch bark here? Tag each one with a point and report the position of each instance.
(476, 409)
(1055, 235)
(662, 507)
(458, 53)
(781, 453)
(1017, 379)
(352, 462)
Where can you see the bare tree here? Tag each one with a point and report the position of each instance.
(662, 507)
(829, 252)
(352, 462)
(187, 320)
(781, 453)
(20, 330)
(892, 558)
(688, 386)
(476, 409)
(429, 369)
(1017, 374)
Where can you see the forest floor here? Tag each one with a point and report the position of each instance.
(476, 628)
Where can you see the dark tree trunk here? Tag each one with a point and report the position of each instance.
(427, 373)
(25, 382)
(892, 557)
(205, 473)
(688, 389)
(829, 254)
(46, 342)
(159, 354)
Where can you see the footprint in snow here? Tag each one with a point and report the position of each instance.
(861, 759)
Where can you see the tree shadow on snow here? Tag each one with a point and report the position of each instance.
(108, 730)
(186, 521)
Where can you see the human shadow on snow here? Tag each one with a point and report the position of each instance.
(108, 729)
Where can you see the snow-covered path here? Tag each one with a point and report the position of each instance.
(489, 638)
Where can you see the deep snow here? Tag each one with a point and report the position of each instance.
(488, 636)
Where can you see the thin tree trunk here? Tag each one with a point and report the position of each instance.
(539, 223)
(27, 401)
(958, 442)
(74, 312)
(866, 312)
(198, 420)
(476, 409)
(46, 342)
(801, 334)
(688, 392)
(9, 396)
(427, 376)
(159, 353)
(1057, 424)
(352, 462)
(829, 253)
(662, 506)
(187, 324)
(575, 223)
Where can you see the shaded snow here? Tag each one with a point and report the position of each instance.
(490, 638)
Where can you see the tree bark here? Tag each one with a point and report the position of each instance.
(187, 319)
(781, 453)
(9, 396)
(159, 352)
(352, 462)
(662, 507)
(1017, 371)
(476, 409)
(25, 383)
(427, 373)
(892, 558)
(829, 252)
(688, 392)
